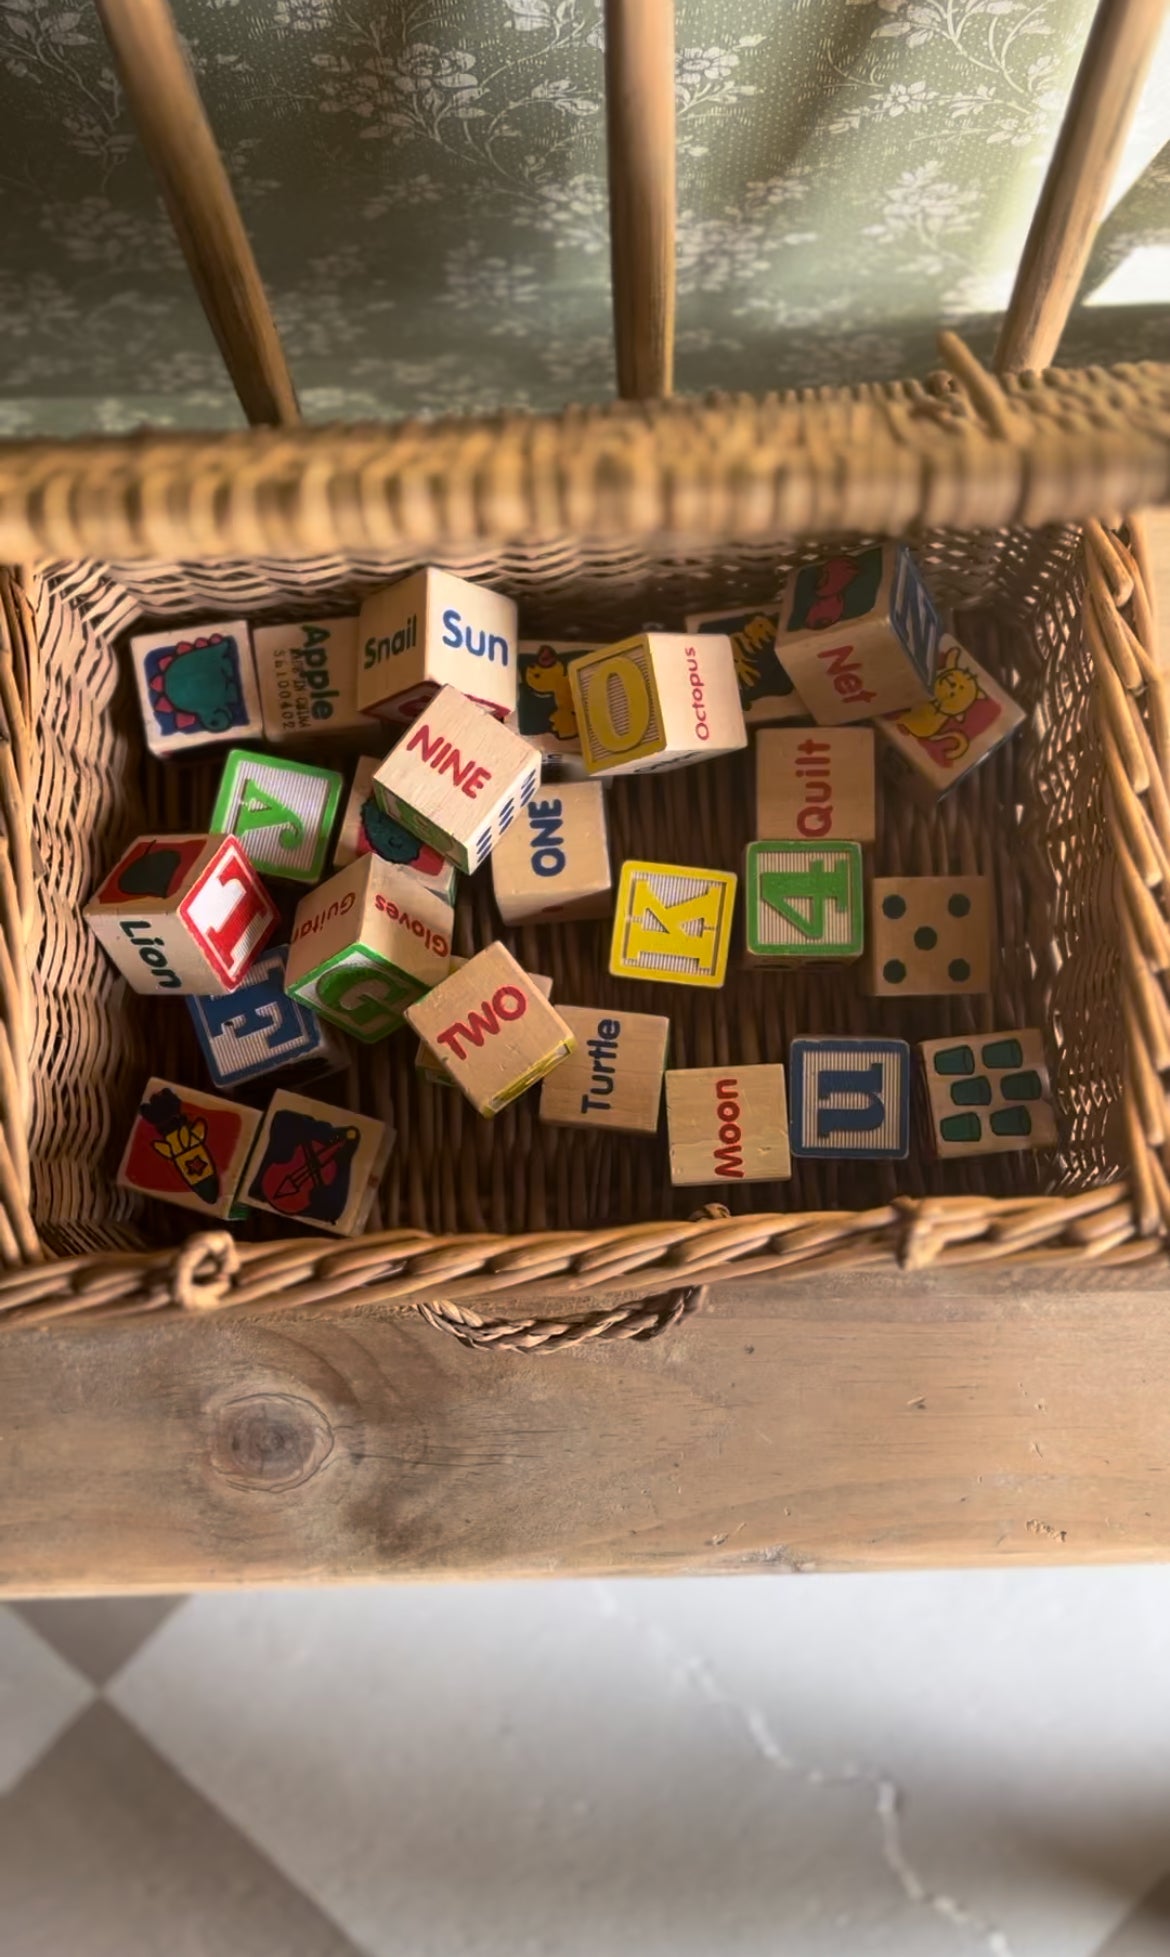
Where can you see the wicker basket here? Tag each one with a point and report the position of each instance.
(510, 1232)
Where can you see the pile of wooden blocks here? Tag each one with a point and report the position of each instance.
(499, 752)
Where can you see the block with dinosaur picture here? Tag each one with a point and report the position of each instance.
(932, 747)
(545, 714)
(766, 691)
(196, 685)
(366, 829)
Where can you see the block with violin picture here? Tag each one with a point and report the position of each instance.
(316, 1164)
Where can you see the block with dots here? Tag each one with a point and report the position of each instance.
(929, 935)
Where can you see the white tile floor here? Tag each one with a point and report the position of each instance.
(824, 1766)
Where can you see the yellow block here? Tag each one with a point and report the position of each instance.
(619, 715)
(672, 923)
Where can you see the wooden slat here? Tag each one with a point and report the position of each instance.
(177, 138)
(1105, 95)
(639, 90)
(985, 1415)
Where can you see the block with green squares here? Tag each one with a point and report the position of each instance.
(988, 1093)
(803, 901)
(282, 811)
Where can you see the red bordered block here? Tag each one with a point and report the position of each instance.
(182, 914)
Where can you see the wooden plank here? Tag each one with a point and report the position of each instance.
(176, 135)
(1105, 95)
(640, 133)
(965, 1417)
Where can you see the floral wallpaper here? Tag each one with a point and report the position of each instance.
(424, 184)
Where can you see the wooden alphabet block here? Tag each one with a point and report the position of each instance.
(259, 1029)
(282, 811)
(727, 1124)
(183, 914)
(196, 684)
(672, 923)
(660, 700)
(188, 1148)
(365, 944)
(988, 1093)
(490, 1028)
(859, 634)
(433, 630)
(929, 935)
(425, 1061)
(307, 675)
(932, 747)
(614, 1079)
(457, 779)
(316, 1164)
(803, 901)
(554, 860)
(366, 828)
(766, 692)
(816, 783)
(849, 1098)
(545, 714)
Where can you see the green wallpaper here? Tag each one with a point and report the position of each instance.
(424, 183)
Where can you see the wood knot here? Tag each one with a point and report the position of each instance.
(270, 1442)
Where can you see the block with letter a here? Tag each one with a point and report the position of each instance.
(365, 944)
(659, 700)
(672, 923)
(183, 914)
(431, 630)
(457, 779)
(849, 1097)
(282, 811)
(859, 634)
(489, 1027)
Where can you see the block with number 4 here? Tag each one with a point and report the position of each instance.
(859, 634)
(432, 630)
(803, 901)
(672, 923)
(660, 700)
(188, 1148)
(282, 811)
(988, 1092)
(554, 860)
(929, 935)
(457, 779)
(490, 1028)
(727, 1124)
(766, 692)
(365, 944)
(182, 914)
(260, 1029)
(849, 1098)
(316, 1164)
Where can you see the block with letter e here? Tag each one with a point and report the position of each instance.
(491, 1030)
(859, 634)
(282, 811)
(457, 779)
(849, 1097)
(802, 902)
(260, 1029)
(184, 914)
(367, 943)
(430, 630)
(672, 923)
(659, 700)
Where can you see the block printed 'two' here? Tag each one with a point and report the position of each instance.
(490, 1028)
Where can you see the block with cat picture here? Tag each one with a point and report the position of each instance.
(932, 747)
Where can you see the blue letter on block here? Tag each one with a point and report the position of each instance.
(258, 1030)
(849, 1098)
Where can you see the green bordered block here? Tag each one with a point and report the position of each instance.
(803, 900)
(359, 991)
(282, 811)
